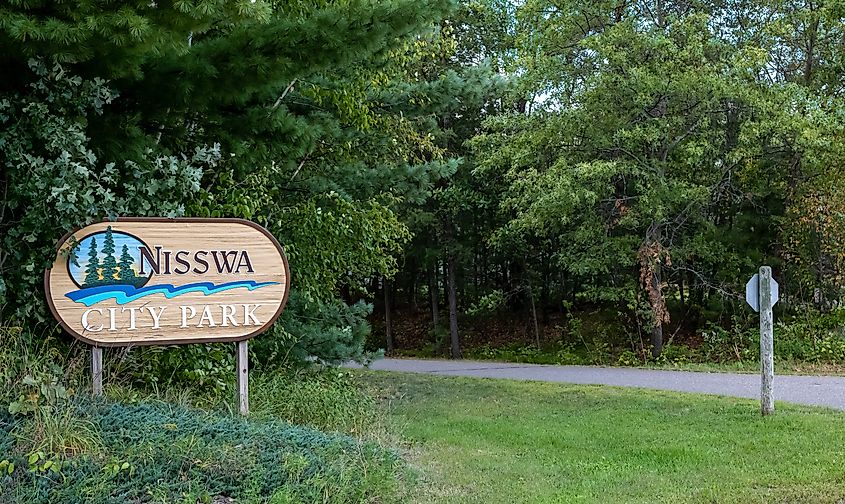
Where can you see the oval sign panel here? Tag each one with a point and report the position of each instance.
(144, 281)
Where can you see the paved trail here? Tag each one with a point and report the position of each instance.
(813, 390)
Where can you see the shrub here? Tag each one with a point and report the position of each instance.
(815, 337)
(208, 368)
(57, 446)
(329, 330)
(156, 452)
(53, 180)
(735, 344)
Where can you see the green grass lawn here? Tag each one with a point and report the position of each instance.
(480, 440)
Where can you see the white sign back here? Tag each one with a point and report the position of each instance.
(752, 292)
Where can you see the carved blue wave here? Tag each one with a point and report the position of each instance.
(123, 294)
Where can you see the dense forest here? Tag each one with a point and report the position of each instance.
(558, 164)
(639, 163)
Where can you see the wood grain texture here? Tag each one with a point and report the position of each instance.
(231, 315)
(767, 363)
(243, 377)
(97, 371)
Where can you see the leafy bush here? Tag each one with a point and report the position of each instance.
(53, 181)
(813, 337)
(562, 353)
(205, 368)
(57, 446)
(518, 352)
(487, 304)
(739, 343)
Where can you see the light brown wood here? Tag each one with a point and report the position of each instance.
(243, 377)
(97, 371)
(187, 317)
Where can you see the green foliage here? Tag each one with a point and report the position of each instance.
(167, 453)
(641, 157)
(330, 330)
(366, 238)
(206, 368)
(737, 344)
(320, 150)
(813, 337)
(488, 303)
(54, 182)
(559, 354)
(37, 382)
(59, 446)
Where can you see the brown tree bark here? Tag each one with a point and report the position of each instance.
(388, 319)
(434, 290)
(412, 286)
(534, 314)
(453, 306)
(657, 328)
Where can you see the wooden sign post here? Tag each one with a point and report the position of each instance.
(97, 370)
(762, 292)
(151, 281)
(243, 377)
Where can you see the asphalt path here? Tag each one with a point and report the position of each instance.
(811, 390)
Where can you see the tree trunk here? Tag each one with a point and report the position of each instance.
(534, 314)
(544, 291)
(657, 326)
(434, 291)
(388, 322)
(453, 306)
(412, 289)
(810, 55)
(444, 269)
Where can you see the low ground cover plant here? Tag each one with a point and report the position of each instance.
(160, 452)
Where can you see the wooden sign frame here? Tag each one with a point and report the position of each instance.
(175, 341)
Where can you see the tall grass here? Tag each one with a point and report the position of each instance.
(329, 399)
(34, 386)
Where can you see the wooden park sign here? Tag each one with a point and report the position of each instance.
(155, 281)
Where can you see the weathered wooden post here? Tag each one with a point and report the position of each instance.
(767, 351)
(97, 370)
(243, 378)
(761, 292)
